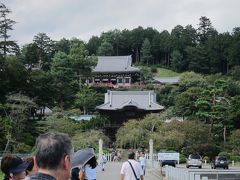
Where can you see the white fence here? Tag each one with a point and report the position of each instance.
(196, 174)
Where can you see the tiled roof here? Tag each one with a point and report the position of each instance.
(114, 64)
(145, 100)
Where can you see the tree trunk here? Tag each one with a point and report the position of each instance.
(211, 128)
(137, 56)
(6, 147)
(80, 79)
(61, 105)
(224, 133)
(117, 50)
(166, 59)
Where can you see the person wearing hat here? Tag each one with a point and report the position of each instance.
(32, 167)
(131, 169)
(53, 157)
(13, 167)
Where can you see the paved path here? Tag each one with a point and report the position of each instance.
(112, 172)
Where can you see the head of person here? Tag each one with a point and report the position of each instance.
(32, 167)
(92, 162)
(13, 167)
(75, 173)
(53, 154)
(131, 155)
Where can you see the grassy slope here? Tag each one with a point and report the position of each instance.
(1, 175)
(166, 73)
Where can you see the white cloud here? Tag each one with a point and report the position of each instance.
(84, 18)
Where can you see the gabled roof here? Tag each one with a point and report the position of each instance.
(144, 100)
(114, 64)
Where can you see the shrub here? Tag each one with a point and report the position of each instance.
(225, 154)
(154, 69)
(235, 158)
(206, 158)
(182, 159)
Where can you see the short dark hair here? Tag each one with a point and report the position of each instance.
(92, 162)
(131, 155)
(75, 173)
(51, 147)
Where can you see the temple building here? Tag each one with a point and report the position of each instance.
(120, 106)
(115, 71)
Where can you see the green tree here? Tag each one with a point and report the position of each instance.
(177, 61)
(187, 136)
(13, 76)
(169, 139)
(165, 47)
(64, 79)
(136, 40)
(213, 105)
(105, 49)
(93, 45)
(198, 59)
(87, 99)
(46, 49)
(146, 75)
(234, 111)
(191, 79)
(18, 112)
(217, 48)
(90, 138)
(6, 24)
(82, 62)
(205, 29)
(177, 38)
(146, 52)
(156, 48)
(131, 134)
(60, 122)
(166, 94)
(235, 72)
(184, 103)
(114, 37)
(29, 54)
(234, 141)
(234, 55)
(63, 45)
(41, 87)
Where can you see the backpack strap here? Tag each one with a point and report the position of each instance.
(133, 170)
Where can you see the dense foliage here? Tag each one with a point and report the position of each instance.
(47, 73)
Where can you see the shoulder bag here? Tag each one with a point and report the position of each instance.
(133, 171)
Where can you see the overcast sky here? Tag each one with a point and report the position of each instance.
(84, 18)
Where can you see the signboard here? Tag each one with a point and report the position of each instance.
(168, 156)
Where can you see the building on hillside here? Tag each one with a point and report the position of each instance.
(114, 71)
(120, 106)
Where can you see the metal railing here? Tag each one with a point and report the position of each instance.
(196, 174)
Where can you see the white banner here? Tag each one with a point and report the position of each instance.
(168, 156)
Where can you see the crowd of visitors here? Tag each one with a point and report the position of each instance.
(54, 157)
